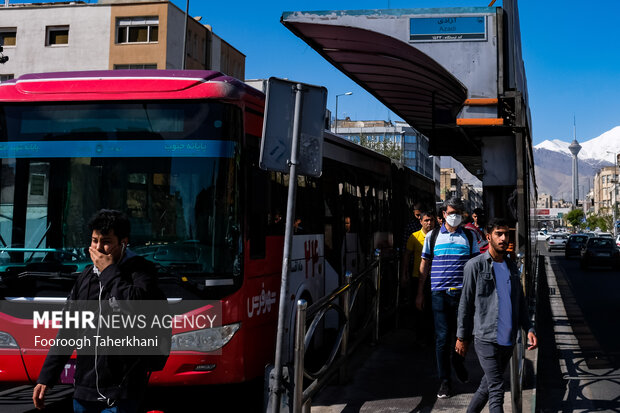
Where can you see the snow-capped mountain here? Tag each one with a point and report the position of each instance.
(553, 163)
(598, 148)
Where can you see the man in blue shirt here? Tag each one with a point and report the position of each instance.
(492, 309)
(444, 254)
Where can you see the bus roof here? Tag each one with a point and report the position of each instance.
(126, 85)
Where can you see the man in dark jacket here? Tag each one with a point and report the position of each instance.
(105, 381)
(492, 308)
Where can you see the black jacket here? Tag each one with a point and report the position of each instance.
(116, 377)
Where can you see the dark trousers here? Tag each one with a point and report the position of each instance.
(493, 360)
(445, 310)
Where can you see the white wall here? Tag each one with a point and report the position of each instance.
(174, 38)
(89, 39)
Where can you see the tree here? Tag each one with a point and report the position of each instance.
(596, 221)
(575, 217)
(386, 147)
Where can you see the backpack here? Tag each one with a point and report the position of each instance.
(467, 232)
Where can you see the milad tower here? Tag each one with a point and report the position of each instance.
(574, 149)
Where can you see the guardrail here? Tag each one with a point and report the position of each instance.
(343, 301)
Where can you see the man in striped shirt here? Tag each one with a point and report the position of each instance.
(444, 254)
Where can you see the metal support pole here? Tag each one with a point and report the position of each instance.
(336, 124)
(185, 35)
(275, 391)
(515, 377)
(300, 350)
(344, 346)
(378, 292)
(397, 288)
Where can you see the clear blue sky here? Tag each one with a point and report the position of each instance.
(570, 48)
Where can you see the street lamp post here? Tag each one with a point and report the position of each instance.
(342, 94)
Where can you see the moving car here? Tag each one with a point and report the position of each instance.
(600, 251)
(574, 244)
(542, 236)
(557, 241)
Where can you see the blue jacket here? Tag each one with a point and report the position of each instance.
(479, 309)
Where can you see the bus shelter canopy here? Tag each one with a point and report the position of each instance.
(409, 82)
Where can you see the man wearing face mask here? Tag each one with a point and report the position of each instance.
(103, 382)
(444, 254)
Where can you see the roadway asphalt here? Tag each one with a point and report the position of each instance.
(579, 369)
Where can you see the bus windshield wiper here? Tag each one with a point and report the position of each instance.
(48, 274)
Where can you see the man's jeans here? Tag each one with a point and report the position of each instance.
(445, 310)
(121, 406)
(493, 360)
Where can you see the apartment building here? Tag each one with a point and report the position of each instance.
(472, 197)
(451, 185)
(544, 201)
(605, 184)
(110, 34)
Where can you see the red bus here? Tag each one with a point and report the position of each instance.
(178, 151)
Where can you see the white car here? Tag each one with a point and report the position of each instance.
(557, 241)
(542, 236)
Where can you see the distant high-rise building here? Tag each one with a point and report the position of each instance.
(409, 145)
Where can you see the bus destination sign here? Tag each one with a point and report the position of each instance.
(447, 29)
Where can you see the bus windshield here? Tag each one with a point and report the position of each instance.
(172, 167)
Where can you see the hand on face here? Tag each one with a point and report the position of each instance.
(105, 249)
(102, 260)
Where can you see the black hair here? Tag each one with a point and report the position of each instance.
(478, 211)
(496, 223)
(109, 219)
(428, 213)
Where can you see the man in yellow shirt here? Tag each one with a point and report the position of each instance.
(414, 247)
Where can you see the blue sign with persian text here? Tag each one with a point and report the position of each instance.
(118, 149)
(446, 29)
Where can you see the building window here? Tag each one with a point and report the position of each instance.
(137, 29)
(136, 66)
(8, 36)
(57, 35)
(6, 77)
(37, 184)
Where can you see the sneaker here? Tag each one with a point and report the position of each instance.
(461, 371)
(444, 390)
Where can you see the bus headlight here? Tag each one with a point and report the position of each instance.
(205, 340)
(7, 340)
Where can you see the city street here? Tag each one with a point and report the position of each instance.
(579, 363)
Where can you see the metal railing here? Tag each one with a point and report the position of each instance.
(517, 362)
(343, 301)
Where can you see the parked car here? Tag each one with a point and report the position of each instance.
(574, 244)
(618, 241)
(542, 236)
(600, 251)
(556, 241)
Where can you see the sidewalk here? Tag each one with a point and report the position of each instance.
(396, 376)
